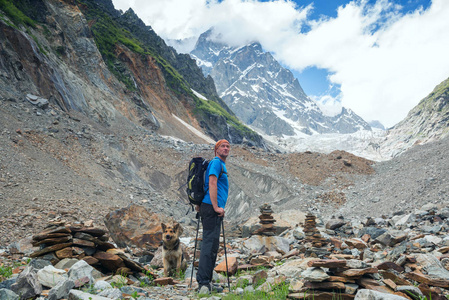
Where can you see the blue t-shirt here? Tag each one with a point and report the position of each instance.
(215, 167)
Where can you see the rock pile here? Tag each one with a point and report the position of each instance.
(404, 256)
(59, 241)
(313, 235)
(266, 220)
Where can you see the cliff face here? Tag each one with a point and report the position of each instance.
(426, 122)
(59, 57)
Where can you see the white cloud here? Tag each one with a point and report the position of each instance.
(329, 105)
(385, 62)
(383, 74)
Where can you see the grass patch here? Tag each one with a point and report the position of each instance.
(16, 15)
(279, 291)
(5, 272)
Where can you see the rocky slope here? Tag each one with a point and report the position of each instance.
(57, 163)
(87, 57)
(62, 164)
(426, 122)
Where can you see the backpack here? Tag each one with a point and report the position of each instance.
(196, 178)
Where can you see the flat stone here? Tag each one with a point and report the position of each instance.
(409, 289)
(43, 236)
(52, 241)
(315, 275)
(83, 243)
(357, 272)
(390, 265)
(326, 285)
(427, 280)
(320, 295)
(163, 281)
(334, 224)
(351, 288)
(328, 263)
(97, 232)
(390, 283)
(341, 279)
(365, 294)
(52, 230)
(79, 295)
(64, 253)
(90, 260)
(110, 261)
(399, 280)
(135, 266)
(66, 263)
(355, 243)
(231, 263)
(50, 249)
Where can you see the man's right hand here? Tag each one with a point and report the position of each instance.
(220, 211)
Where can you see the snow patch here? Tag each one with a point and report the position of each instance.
(195, 131)
(199, 95)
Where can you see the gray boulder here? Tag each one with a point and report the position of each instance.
(27, 284)
(7, 283)
(38, 263)
(6, 294)
(79, 295)
(50, 276)
(61, 290)
(80, 270)
(111, 293)
(374, 295)
(315, 275)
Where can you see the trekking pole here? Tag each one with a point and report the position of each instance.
(196, 241)
(226, 257)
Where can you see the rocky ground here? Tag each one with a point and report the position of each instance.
(56, 166)
(59, 165)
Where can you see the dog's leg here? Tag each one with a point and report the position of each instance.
(166, 267)
(178, 264)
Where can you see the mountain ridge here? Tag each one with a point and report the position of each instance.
(263, 94)
(83, 58)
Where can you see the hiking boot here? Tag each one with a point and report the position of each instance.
(216, 288)
(207, 288)
(204, 289)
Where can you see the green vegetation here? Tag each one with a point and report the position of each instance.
(5, 272)
(203, 107)
(17, 16)
(278, 291)
(108, 33)
(119, 282)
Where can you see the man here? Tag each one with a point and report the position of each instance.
(212, 213)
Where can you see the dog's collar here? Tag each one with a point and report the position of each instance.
(175, 245)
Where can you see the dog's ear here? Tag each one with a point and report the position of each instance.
(163, 227)
(178, 228)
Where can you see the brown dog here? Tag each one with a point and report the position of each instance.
(171, 250)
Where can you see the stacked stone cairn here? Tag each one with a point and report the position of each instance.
(266, 221)
(311, 232)
(59, 241)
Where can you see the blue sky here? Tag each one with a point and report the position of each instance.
(378, 58)
(315, 81)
